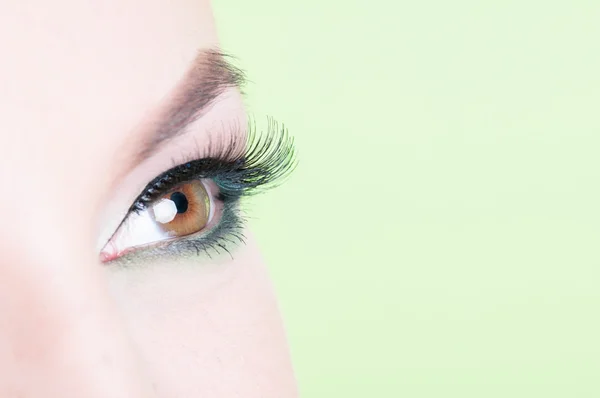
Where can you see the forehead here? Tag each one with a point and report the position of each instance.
(77, 79)
(96, 67)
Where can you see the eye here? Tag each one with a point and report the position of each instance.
(193, 208)
(186, 209)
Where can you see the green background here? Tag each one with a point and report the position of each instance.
(440, 236)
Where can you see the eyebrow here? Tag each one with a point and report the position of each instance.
(210, 75)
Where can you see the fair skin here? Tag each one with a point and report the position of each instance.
(82, 85)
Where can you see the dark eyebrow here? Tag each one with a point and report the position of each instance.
(210, 75)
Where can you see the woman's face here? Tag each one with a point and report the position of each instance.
(96, 100)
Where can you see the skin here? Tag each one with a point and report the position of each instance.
(80, 83)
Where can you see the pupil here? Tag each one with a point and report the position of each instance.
(180, 201)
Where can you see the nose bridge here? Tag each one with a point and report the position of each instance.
(59, 333)
(35, 316)
(60, 122)
(50, 189)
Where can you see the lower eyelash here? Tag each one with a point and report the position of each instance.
(222, 238)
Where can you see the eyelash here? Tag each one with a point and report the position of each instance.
(265, 161)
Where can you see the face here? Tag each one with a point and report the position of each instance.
(126, 268)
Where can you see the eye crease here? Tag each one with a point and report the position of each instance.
(194, 207)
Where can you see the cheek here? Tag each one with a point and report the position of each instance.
(207, 329)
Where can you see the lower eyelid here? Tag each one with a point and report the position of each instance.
(225, 232)
(216, 208)
(225, 227)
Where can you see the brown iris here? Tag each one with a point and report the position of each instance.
(182, 211)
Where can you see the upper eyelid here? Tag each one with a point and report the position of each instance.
(177, 175)
(266, 159)
(202, 141)
(209, 76)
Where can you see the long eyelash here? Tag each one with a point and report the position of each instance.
(265, 162)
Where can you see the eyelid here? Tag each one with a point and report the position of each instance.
(267, 159)
(221, 238)
(199, 169)
(223, 118)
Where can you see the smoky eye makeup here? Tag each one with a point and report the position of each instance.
(193, 208)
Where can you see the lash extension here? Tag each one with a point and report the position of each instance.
(262, 162)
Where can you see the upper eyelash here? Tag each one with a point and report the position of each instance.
(268, 158)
